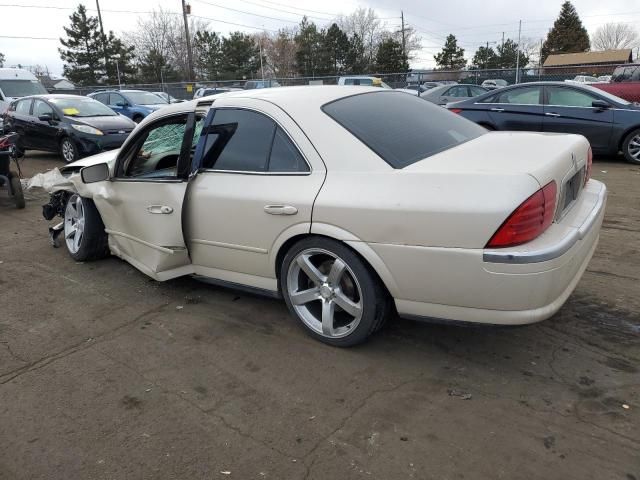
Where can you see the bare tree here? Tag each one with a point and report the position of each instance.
(365, 23)
(279, 52)
(615, 36)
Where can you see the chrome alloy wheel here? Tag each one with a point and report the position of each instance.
(325, 293)
(74, 223)
(634, 147)
(68, 152)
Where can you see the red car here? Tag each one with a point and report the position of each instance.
(625, 83)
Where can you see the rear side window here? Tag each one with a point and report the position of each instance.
(102, 97)
(521, 96)
(23, 107)
(401, 129)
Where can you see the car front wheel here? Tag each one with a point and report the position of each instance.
(631, 147)
(332, 292)
(84, 233)
(68, 150)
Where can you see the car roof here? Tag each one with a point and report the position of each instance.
(51, 96)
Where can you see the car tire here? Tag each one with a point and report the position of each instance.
(137, 118)
(334, 294)
(84, 233)
(631, 147)
(68, 150)
(16, 191)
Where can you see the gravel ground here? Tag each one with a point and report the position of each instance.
(106, 374)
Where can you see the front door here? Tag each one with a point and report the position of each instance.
(141, 206)
(44, 132)
(517, 108)
(570, 110)
(258, 178)
(119, 104)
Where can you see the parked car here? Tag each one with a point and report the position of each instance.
(253, 84)
(208, 91)
(625, 83)
(452, 93)
(583, 79)
(430, 85)
(168, 98)
(362, 81)
(135, 104)
(604, 79)
(493, 84)
(71, 125)
(16, 83)
(415, 89)
(609, 123)
(298, 193)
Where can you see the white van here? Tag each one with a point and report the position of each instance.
(16, 83)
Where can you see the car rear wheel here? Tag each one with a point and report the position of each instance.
(84, 233)
(137, 118)
(68, 150)
(332, 292)
(631, 147)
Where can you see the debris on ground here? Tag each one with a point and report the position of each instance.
(459, 394)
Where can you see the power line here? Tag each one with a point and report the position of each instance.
(248, 13)
(330, 15)
(294, 8)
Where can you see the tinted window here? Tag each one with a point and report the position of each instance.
(401, 129)
(285, 157)
(102, 97)
(521, 96)
(459, 91)
(144, 98)
(476, 90)
(568, 97)
(157, 155)
(21, 88)
(23, 107)
(243, 141)
(625, 74)
(41, 108)
(115, 99)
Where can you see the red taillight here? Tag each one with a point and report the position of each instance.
(529, 220)
(587, 172)
(455, 110)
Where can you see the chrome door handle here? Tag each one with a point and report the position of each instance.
(497, 109)
(280, 210)
(549, 114)
(159, 209)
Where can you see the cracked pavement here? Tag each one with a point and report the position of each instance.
(102, 376)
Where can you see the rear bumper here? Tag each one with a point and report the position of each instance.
(513, 286)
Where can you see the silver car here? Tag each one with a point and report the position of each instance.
(452, 93)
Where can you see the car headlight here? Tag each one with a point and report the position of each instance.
(87, 129)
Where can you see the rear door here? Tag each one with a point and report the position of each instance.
(569, 110)
(257, 181)
(517, 108)
(22, 123)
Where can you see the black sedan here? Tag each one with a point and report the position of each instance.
(71, 125)
(611, 124)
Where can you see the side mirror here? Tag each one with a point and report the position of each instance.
(45, 117)
(600, 105)
(95, 173)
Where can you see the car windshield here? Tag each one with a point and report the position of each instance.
(412, 129)
(82, 107)
(144, 98)
(21, 88)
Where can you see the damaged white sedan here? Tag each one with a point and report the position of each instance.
(346, 202)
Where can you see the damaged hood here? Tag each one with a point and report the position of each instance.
(108, 157)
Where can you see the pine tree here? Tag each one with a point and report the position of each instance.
(390, 58)
(568, 35)
(485, 58)
(207, 52)
(507, 55)
(309, 43)
(241, 56)
(83, 53)
(336, 46)
(355, 60)
(1, 59)
(451, 57)
(120, 59)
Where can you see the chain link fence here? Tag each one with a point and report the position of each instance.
(186, 90)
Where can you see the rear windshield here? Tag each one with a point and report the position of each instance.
(402, 129)
(21, 88)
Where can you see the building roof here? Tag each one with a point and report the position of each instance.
(587, 58)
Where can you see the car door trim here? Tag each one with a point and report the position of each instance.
(232, 246)
(167, 250)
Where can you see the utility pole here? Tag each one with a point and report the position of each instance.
(186, 31)
(540, 62)
(502, 44)
(404, 41)
(518, 53)
(104, 46)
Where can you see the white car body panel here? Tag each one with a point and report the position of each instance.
(423, 228)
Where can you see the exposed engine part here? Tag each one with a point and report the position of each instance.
(56, 205)
(54, 233)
